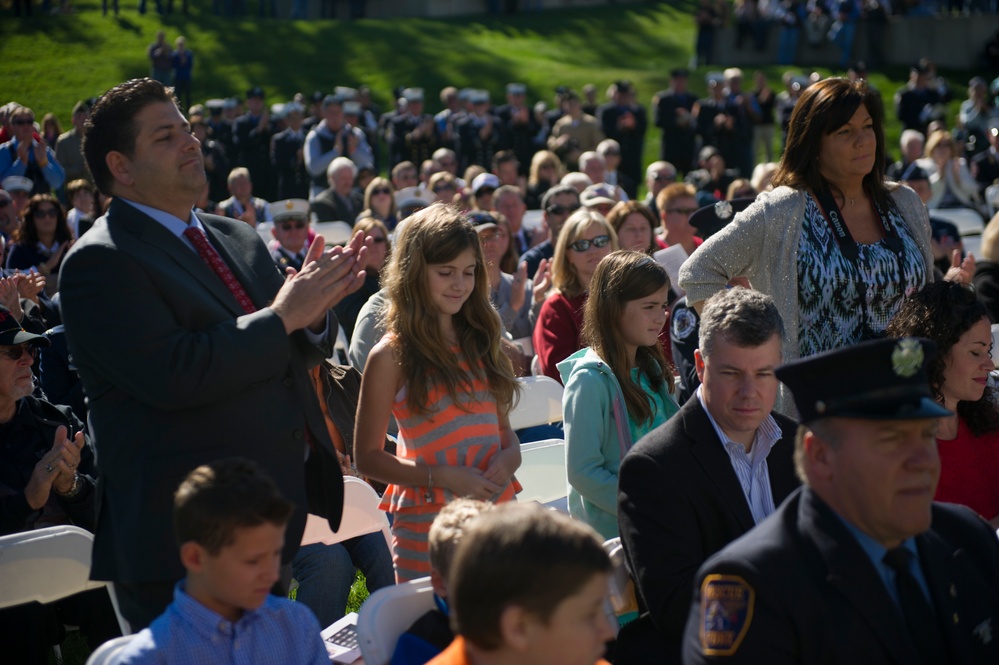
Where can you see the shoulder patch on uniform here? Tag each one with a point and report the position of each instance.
(684, 322)
(726, 612)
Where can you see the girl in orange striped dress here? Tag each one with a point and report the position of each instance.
(440, 371)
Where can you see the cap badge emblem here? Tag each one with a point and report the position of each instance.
(907, 358)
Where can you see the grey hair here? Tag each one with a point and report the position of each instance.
(742, 316)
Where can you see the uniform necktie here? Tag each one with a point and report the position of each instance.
(919, 615)
(210, 256)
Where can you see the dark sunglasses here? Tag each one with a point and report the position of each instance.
(5, 202)
(682, 211)
(381, 190)
(483, 191)
(379, 241)
(46, 212)
(662, 178)
(22, 121)
(584, 244)
(15, 352)
(444, 188)
(557, 209)
(288, 226)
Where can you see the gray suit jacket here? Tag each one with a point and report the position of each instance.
(177, 375)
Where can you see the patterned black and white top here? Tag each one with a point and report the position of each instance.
(830, 314)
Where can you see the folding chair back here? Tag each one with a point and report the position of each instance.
(386, 615)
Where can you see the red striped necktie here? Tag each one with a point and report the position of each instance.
(215, 262)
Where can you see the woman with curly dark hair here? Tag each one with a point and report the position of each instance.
(43, 238)
(960, 325)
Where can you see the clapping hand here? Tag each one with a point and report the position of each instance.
(55, 470)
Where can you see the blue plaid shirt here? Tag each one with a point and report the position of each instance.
(188, 633)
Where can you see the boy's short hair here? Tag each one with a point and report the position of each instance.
(76, 186)
(447, 529)
(217, 498)
(521, 555)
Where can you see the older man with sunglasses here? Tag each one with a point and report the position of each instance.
(291, 231)
(47, 478)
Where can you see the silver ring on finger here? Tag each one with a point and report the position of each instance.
(48, 467)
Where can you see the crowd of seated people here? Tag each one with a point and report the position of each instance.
(547, 196)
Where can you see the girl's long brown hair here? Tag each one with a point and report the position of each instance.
(621, 277)
(436, 235)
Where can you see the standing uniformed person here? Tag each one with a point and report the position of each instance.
(860, 566)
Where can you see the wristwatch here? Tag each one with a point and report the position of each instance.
(73, 491)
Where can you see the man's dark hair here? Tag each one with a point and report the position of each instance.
(503, 157)
(519, 555)
(217, 498)
(743, 317)
(111, 125)
(555, 191)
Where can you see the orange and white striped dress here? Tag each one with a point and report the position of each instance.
(458, 433)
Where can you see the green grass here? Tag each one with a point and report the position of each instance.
(51, 61)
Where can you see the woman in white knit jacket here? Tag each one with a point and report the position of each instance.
(836, 246)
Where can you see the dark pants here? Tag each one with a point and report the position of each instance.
(143, 602)
(28, 632)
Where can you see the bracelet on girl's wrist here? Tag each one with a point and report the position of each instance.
(429, 495)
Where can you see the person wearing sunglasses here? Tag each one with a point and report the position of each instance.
(584, 240)
(379, 202)
(376, 233)
(676, 204)
(291, 231)
(556, 205)
(42, 240)
(27, 155)
(444, 186)
(47, 478)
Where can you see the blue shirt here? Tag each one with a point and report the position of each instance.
(875, 551)
(751, 468)
(188, 633)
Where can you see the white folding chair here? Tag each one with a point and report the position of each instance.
(360, 516)
(540, 402)
(334, 233)
(542, 473)
(386, 615)
(107, 653)
(48, 564)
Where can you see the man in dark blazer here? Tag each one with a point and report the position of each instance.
(860, 566)
(184, 362)
(709, 474)
(342, 202)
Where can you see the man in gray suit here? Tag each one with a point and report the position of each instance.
(190, 344)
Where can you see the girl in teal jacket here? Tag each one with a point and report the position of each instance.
(618, 388)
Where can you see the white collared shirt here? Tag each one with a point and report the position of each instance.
(751, 468)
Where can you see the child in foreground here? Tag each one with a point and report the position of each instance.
(441, 372)
(229, 522)
(527, 587)
(431, 633)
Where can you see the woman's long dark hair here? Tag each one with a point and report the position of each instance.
(27, 233)
(942, 312)
(822, 109)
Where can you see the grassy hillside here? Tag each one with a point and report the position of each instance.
(51, 61)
